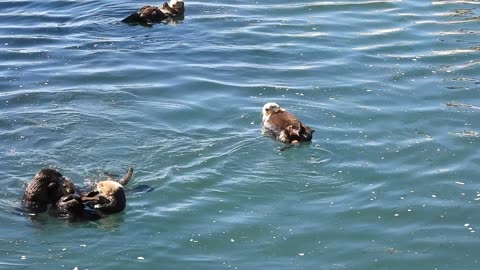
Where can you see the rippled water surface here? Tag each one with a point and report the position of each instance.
(390, 180)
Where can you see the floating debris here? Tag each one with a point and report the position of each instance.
(465, 133)
(462, 105)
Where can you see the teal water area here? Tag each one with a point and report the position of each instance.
(390, 180)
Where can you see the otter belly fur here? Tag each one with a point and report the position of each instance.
(109, 196)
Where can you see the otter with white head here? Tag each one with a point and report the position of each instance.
(284, 126)
(147, 15)
(109, 196)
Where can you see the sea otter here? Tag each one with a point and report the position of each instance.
(109, 196)
(284, 126)
(46, 187)
(151, 14)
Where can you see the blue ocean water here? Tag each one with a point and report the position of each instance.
(389, 181)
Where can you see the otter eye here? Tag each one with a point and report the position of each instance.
(267, 110)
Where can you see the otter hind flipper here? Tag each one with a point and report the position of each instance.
(126, 178)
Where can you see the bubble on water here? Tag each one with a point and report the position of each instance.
(140, 258)
(23, 257)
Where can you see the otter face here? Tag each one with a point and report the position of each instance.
(108, 188)
(270, 108)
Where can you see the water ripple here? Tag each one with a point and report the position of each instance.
(388, 182)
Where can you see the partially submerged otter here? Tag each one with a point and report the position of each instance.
(46, 188)
(109, 196)
(147, 15)
(284, 126)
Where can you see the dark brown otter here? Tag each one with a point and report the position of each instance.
(46, 187)
(109, 196)
(150, 14)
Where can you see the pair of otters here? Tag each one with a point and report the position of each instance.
(49, 186)
(150, 14)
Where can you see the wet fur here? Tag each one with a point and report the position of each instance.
(150, 14)
(284, 126)
(72, 208)
(46, 188)
(109, 196)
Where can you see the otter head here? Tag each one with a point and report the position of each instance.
(176, 4)
(269, 109)
(47, 186)
(108, 188)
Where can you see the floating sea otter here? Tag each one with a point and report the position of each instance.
(109, 196)
(46, 188)
(150, 14)
(284, 126)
